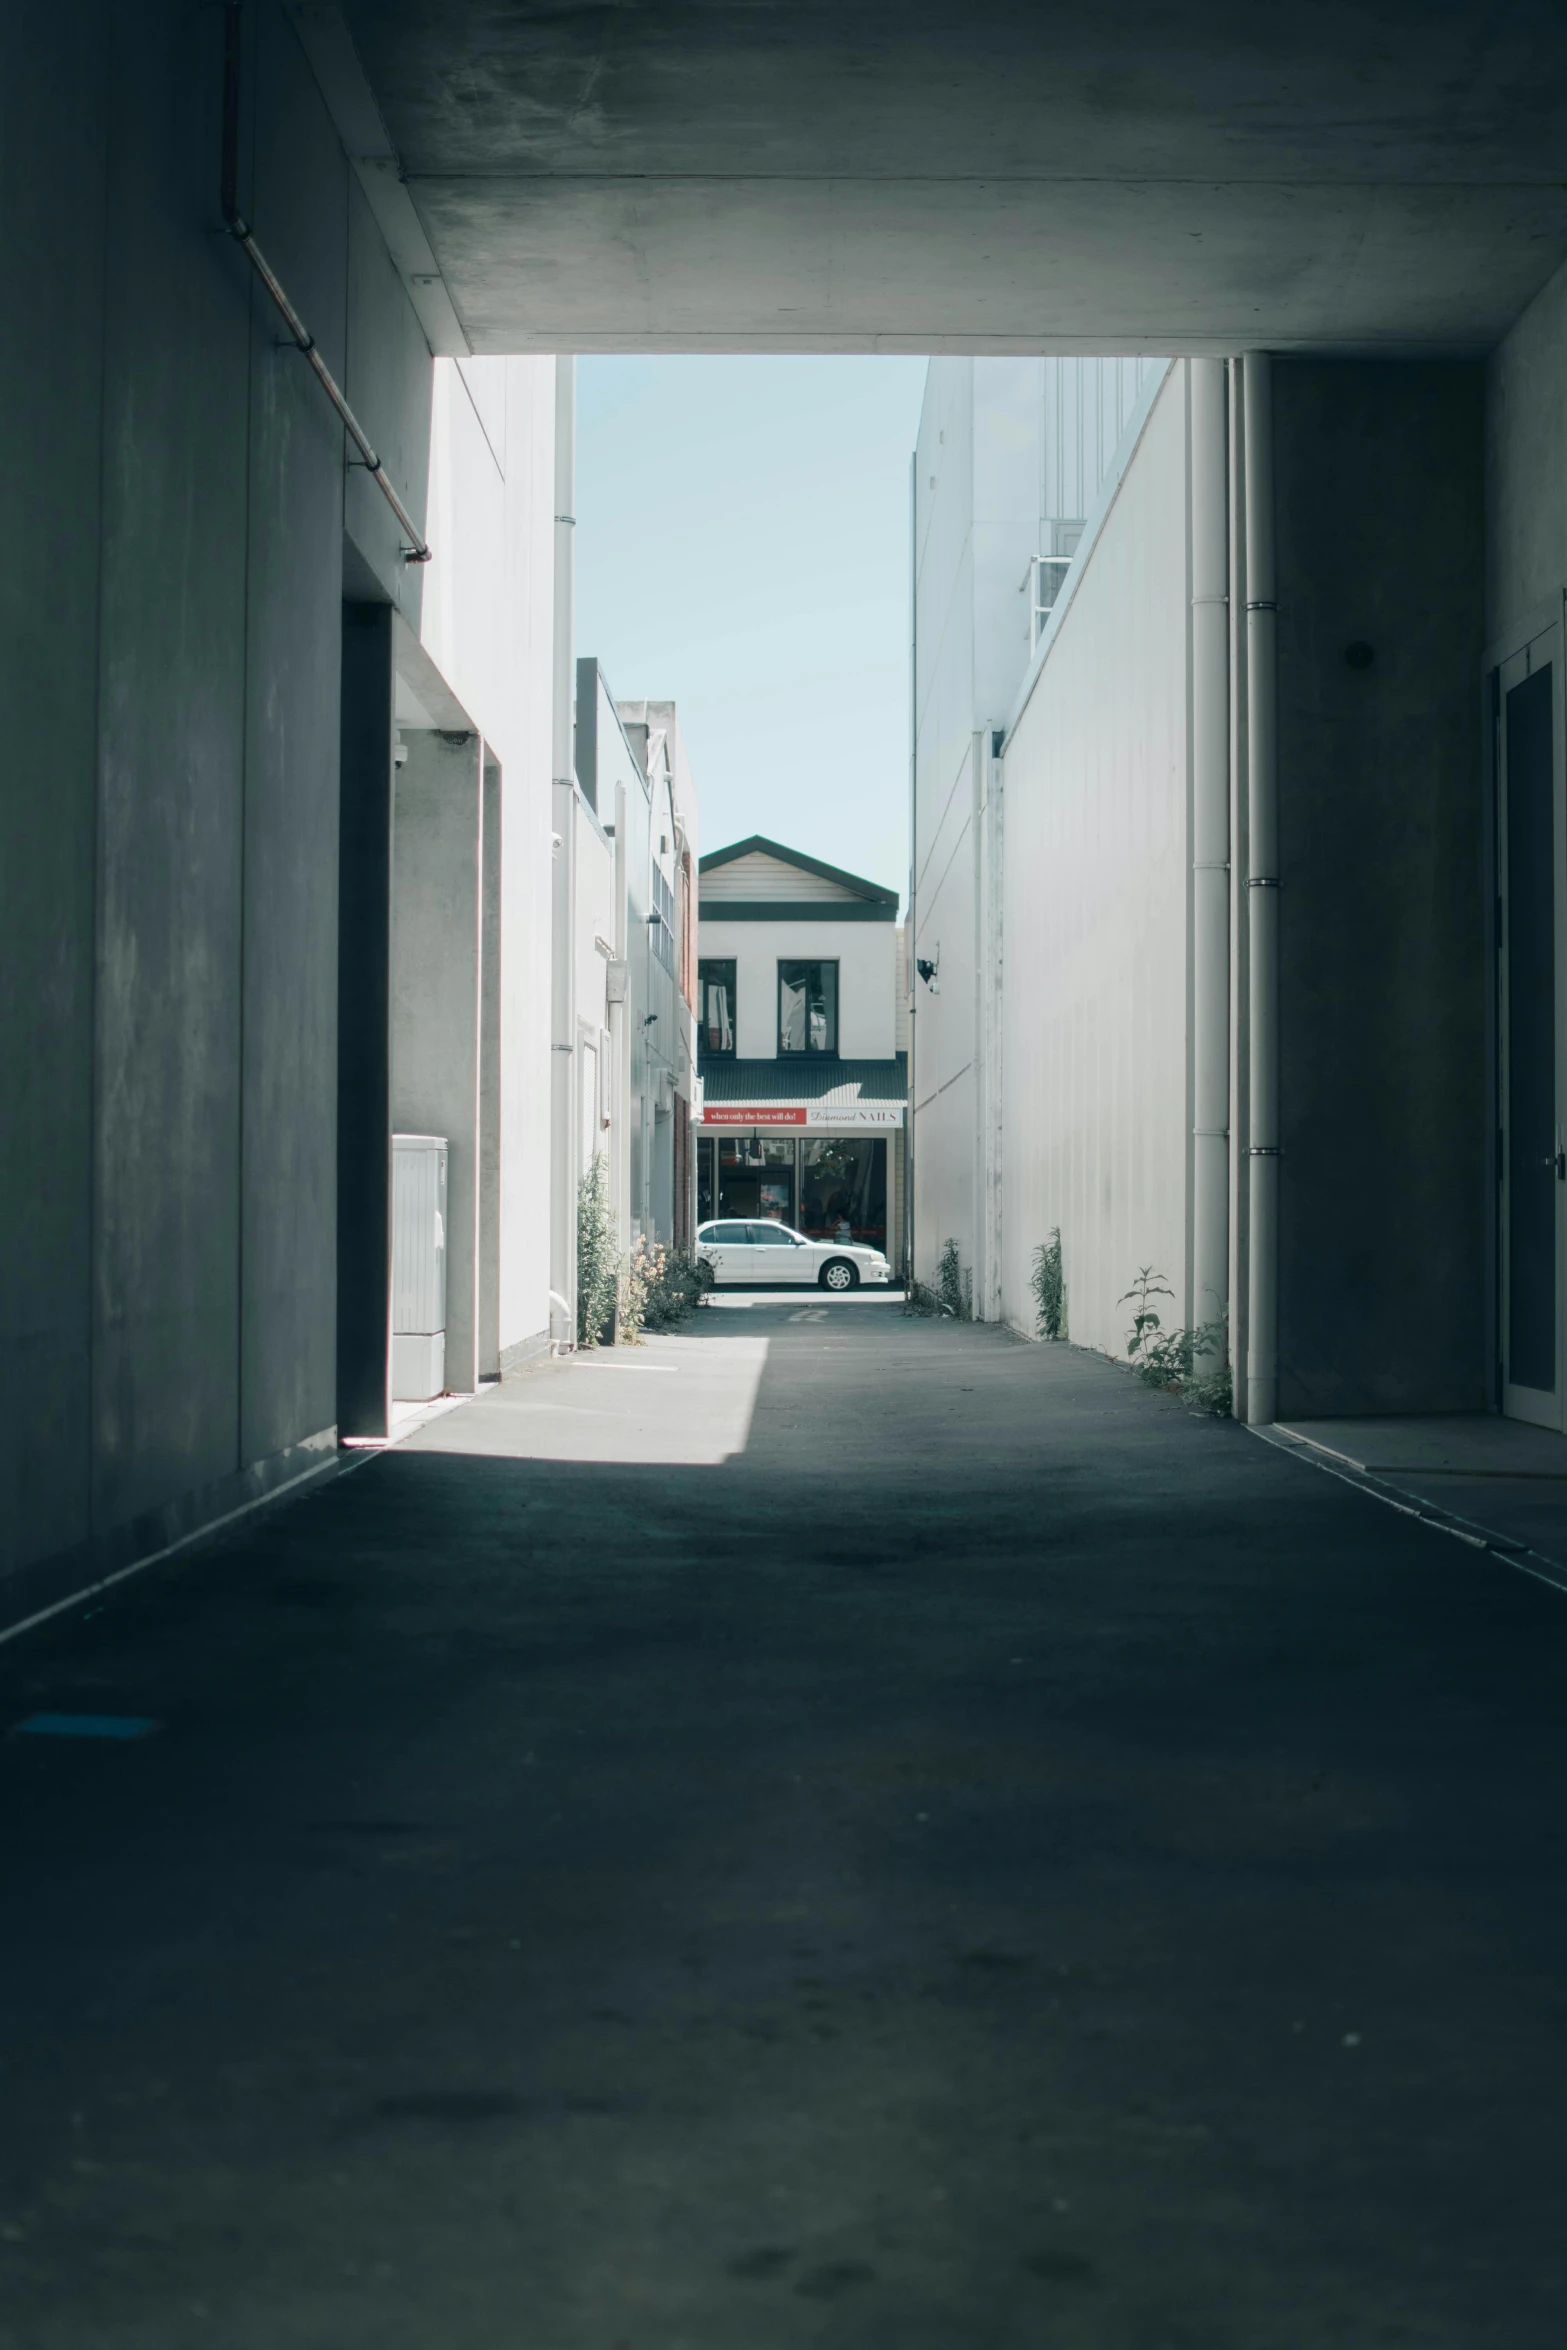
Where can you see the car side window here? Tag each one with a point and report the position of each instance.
(769, 1236)
(728, 1235)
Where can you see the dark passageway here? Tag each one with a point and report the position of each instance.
(997, 1861)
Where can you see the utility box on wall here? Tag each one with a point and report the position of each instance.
(418, 1267)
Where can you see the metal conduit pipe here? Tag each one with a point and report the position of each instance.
(1210, 658)
(418, 550)
(567, 1113)
(1262, 897)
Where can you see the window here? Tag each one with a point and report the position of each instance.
(1049, 573)
(771, 1236)
(808, 1007)
(843, 1189)
(716, 988)
(661, 923)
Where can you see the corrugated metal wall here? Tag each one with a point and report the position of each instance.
(1087, 405)
(1094, 1022)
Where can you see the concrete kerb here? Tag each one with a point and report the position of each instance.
(1500, 1546)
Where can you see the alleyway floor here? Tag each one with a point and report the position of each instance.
(832, 1829)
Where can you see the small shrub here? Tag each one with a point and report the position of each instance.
(1048, 1282)
(1169, 1358)
(952, 1285)
(598, 1266)
(1145, 1321)
(661, 1287)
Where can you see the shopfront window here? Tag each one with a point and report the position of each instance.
(843, 1190)
(756, 1176)
(716, 989)
(807, 1007)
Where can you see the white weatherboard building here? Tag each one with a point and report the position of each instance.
(801, 1041)
(1010, 457)
(625, 1046)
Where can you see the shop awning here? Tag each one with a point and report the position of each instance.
(786, 1095)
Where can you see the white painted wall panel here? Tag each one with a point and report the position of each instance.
(1095, 888)
(866, 954)
(487, 623)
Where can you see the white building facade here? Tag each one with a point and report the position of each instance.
(1010, 456)
(802, 1056)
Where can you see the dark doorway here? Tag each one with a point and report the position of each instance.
(1529, 1021)
(364, 1044)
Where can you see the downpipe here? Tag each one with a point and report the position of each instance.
(565, 1117)
(1210, 657)
(1262, 897)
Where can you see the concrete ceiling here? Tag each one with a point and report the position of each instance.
(928, 175)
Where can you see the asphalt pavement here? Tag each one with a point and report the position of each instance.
(827, 1829)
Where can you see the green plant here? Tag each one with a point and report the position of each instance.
(952, 1287)
(1170, 1358)
(661, 1287)
(1145, 1321)
(1048, 1282)
(598, 1256)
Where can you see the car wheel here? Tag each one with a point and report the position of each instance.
(839, 1274)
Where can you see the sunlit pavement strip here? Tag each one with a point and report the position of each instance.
(582, 1407)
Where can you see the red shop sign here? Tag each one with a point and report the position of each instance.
(732, 1114)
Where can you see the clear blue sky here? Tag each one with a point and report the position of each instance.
(743, 547)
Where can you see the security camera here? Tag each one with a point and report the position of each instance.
(930, 970)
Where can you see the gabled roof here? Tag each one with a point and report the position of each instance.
(853, 884)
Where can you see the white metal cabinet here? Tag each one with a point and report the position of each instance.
(418, 1267)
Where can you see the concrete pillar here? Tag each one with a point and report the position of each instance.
(364, 1122)
(437, 931)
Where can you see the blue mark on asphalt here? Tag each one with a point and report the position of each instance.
(86, 1726)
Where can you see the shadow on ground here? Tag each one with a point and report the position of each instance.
(996, 1862)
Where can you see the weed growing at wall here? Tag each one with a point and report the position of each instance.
(1048, 1282)
(953, 1295)
(953, 1286)
(598, 1266)
(1169, 1358)
(661, 1287)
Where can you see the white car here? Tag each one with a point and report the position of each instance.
(756, 1251)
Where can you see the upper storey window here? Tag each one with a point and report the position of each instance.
(807, 1007)
(716, 998)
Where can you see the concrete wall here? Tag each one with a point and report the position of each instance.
(1526, 466)
(1095, 888)
(866, 956)
(1384, 1215)
(169, 667)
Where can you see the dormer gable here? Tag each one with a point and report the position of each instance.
(758, 873)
